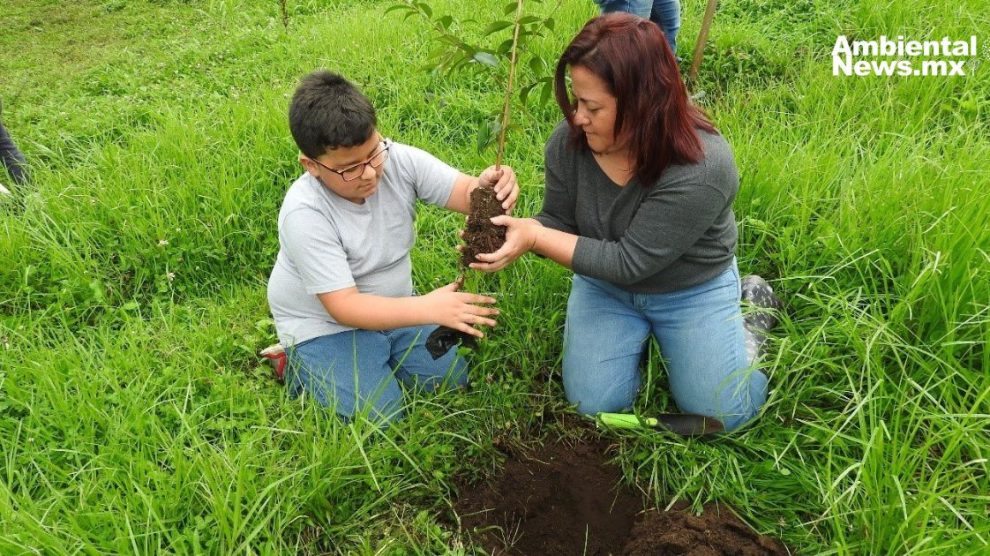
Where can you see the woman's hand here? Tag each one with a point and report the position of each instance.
(504, 182)
(520, 237)
(459, 310)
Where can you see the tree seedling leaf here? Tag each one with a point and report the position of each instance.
(485, 136)
(496, 26)
(396, 7)
(486, 58)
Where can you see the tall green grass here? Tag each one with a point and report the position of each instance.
(136, 418)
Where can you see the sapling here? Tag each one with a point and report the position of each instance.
(480, 234)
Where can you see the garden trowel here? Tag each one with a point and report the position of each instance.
(684, 424)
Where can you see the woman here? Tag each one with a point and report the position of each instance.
(639, 191)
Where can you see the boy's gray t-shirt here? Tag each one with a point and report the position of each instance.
(327, 243)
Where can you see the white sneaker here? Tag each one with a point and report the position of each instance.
(4, 190)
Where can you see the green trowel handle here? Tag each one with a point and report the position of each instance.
(678, 423)
(626, 421)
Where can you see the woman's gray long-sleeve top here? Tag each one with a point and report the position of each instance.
(676, 233)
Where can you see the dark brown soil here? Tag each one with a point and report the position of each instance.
(716, 532)
(565, 500)
(480, 234)
(550, 502)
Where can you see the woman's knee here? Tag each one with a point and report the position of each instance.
(734, 402)
(593, 389)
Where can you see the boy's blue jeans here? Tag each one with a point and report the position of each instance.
(665, 13)
(360, 370)
(700, 333)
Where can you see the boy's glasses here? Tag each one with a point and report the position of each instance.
(352, 173)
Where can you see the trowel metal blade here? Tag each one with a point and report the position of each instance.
(686, 424)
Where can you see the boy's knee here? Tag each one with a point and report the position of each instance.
(457, 376)
(381, 407)
(387, 408)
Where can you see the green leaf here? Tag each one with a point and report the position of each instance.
(528, 19)
(485, 136)
(547, 92)
(505, 47)
(496, 26)
(549, 23)
(537, 64)
(510, 8)
(395, 7)
(486, 58)
(445, 21)
(524, 92)
(425, 8)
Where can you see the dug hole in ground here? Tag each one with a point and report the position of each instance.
(564, 497)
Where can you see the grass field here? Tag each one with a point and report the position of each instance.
(135, 416)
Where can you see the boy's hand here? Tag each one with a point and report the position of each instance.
(459, 310)
(520, 237)
(505, 184)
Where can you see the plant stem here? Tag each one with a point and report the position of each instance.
(508, 87)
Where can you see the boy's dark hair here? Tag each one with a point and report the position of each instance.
(328, 112)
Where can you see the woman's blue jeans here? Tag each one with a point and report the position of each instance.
(665, 13)
(361, 370)
(700, 333)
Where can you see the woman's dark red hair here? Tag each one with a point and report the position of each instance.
(631, 55)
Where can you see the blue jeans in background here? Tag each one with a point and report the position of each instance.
(665, 13)
(700, 333)
(11, 157)
(361, 370)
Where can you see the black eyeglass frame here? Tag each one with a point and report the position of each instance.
(384, 146)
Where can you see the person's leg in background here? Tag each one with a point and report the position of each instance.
(667, 15)
(11, 157)
(636, 7)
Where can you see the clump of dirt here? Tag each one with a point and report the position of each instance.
(564, 500)
(716, 532)
(480, 234)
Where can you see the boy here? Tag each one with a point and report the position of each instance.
(341, 290)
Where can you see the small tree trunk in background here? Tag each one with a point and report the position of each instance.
(285, 13)
(699, 47)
